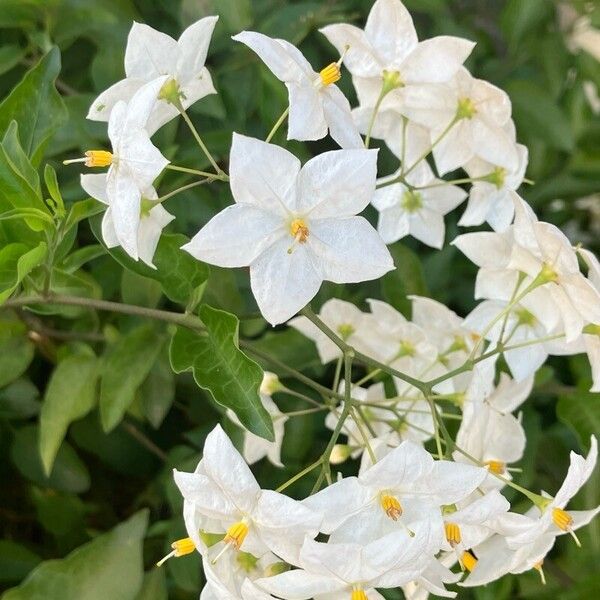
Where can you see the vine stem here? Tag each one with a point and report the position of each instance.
(201, 143)
(278, 124)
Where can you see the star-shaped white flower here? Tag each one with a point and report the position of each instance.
(417, 210)
(338, 571)
(224, 490)
(316, 103)
(153, 218)
(295, 227)
(151, 54)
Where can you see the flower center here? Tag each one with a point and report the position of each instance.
(330, 74)
(452, 534)
(299, 231)
(345, 330)
(524, 317)
(236, 534)
(466, 109)
(391, 506)
(358, 594)
(180, 548)
(93, 158)
(411, 201)
(496, 466)
(468, 560)
(497, 177)
(247, 561)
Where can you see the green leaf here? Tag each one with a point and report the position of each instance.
(405, 280)
(17, 261)
(83, 210)
(154, 586)
(74, 261)
(581, 412)
(220, 367)
(108, 567)
(70, 395)
(53, 189)
(158, 392)
(69, 473)
(10, 55)
(36, 105)
(126, 366)
(16, 353)
(19, 400)
(519, 18)
(179, 273)
(16, 561)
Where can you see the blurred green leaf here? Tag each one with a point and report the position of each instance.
(36, 106)
(520, 17)
(108, 567)
(16, 262)
(19, 400)
(158, 392)
(126, 365)
(70, 395)
(154, 586)
(220, 367)
(69, 473)
(10, 55)
(60, 514)
(16, 561)
(16, 352)
(581, 412)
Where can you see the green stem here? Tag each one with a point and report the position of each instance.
(376, 108)
(202, 145)
(278, 124)
(192, 171)
(184, 188)
(298, 476)
(450, 182)
(357, 417)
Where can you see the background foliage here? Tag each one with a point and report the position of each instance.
(92, 418)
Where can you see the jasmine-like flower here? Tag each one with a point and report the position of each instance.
(316, 104)
(295, 227)
(151, 54)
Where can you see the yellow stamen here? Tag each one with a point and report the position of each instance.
(539, 567)
(391, 506)
(564, 521)
(330, 74)
(180, 548)
(299, 231)
(93, 158)
(358, 594)
(236, 534)
(468, 560)
(453, 534)
(496, 466)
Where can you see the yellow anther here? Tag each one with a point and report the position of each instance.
(539, 567)
(299, 231)
(468, 560)
(391, 506)
(330, 74)
(453, 534)
(236, 534)
(180, 548)
(562, 519)
(496, 466)
(358, 595)
(93, 158)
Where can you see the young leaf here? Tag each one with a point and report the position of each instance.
(70, 395)
(36, 105)
(17, 261)
(53, 189)
(127, 365)
(110, 566)
(220, 367)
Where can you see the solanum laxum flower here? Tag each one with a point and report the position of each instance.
(224, 490)
(295, 227)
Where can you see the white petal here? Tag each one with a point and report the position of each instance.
(306, 119)
(149, 53)
(94, 184)
(349, 250)
(455, 148)
(204, 495)
(236, 236)
(493, 145)
(149, 232)
(339, 118)
(141, 157)
(580, 470)
(428, 226)
(224, 465)
(283, 282)
(301, 585)
(263, 174)
(109, 235)
(393, 224)
(121, 91)
(193, 47)
(489, 250)
(337, 184)
(436, 60)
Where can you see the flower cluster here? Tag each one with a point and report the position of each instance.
(422, 500)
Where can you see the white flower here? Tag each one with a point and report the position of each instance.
(224, 490)
(522, 530)
(316, 103)
(134, 163)
(256, 447)
(335, 571)
(295, 227)
(480, 113)
(417, 210)
(489, 199)
(406, 484)
(151, 54)
(388, 53)
(153, 217)
(432, 580)
(344, 319)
